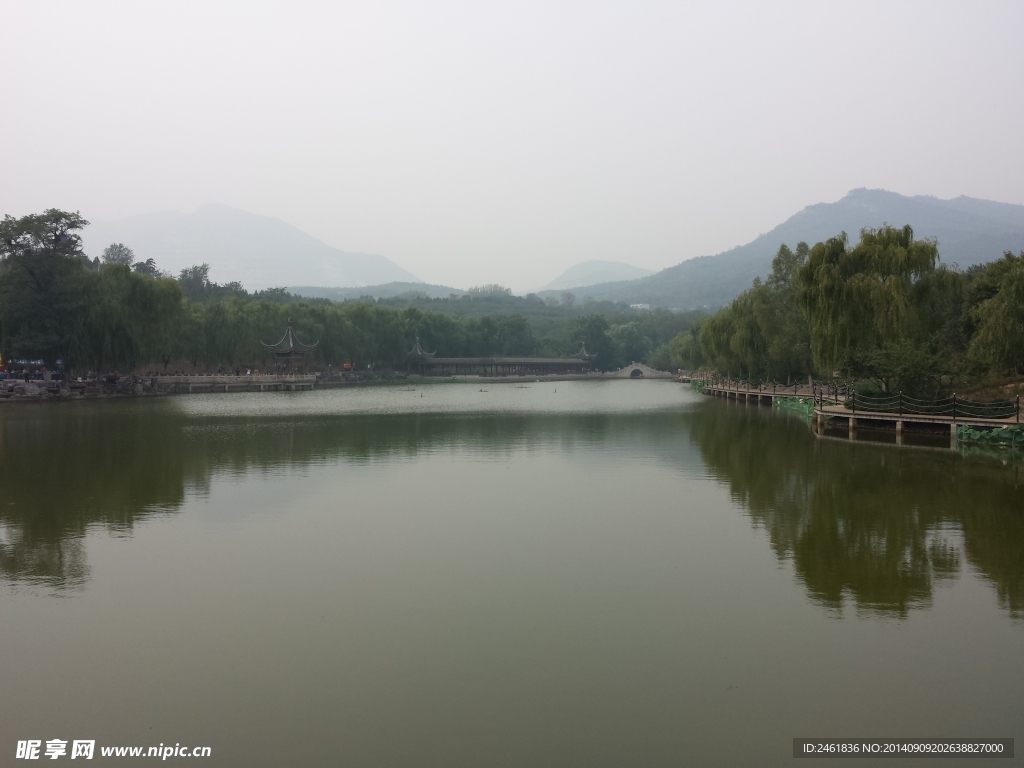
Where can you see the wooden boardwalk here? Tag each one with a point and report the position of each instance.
(827, 412)
(765, 394)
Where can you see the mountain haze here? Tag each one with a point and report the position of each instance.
(595, 271)
(257, 251)
(969, 231)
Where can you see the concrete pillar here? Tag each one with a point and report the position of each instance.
(853, 423)
(899, 427)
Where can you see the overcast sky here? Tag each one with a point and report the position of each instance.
(502, 142)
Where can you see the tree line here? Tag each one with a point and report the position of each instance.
(114, 312)
(883, 311)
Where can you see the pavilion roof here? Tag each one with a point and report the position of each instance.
(418, 351)
(289, 344)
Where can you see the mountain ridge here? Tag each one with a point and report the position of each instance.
(256, 250)
(969, 231)
(595, 271)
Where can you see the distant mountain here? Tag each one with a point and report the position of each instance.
(257, 251)
(595, 271)
(386, 291)
(969, 231)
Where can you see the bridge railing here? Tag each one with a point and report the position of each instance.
(900, 404)
(954, 407)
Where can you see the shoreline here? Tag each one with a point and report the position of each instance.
(143, 387)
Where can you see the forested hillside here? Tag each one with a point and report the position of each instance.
(113, 312)
(882, 310)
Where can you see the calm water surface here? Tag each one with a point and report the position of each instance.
(570, 574)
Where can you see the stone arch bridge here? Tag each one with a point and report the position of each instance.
(639, 371)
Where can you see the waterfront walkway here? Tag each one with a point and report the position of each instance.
(226, 382)
(830, 405)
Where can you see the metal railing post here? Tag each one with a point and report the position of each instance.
(853, 400)
(1018, 409)
(954, 406)
(901, 402)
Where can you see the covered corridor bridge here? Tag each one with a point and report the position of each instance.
(499, 366)
(428, 364)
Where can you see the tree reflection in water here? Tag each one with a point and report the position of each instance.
(876, 523)
(67, 470)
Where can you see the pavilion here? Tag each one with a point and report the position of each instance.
(289, 351)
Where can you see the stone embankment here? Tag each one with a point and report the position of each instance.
(35, 390)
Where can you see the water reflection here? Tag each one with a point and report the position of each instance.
(110, 466)
(877, 524)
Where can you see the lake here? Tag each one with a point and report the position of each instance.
(544, 574)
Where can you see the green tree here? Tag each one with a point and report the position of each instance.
(716, 334)
(41, 261)
(629, 343)
(194, 281)
(147, 267)
(491, 289)
(591, 331)
(118, 253)
(782, 322)
(866, 305)
(999, 340)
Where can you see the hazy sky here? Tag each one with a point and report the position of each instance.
(502, 142)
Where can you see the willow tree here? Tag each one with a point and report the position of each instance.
(716, 341)
(872, 308)
(763, 333)
(782, 322)
(999, 340)
(747, 342)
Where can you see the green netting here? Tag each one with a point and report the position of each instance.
(801, 405)
(948, 406)
(1005, 453)
(1011, 435)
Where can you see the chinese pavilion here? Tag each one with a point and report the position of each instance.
(289, 351)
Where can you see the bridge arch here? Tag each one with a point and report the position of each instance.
(639, 371)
